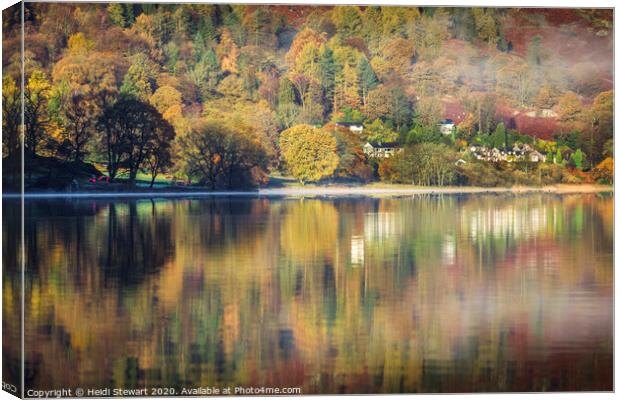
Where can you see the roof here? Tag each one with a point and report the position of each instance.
(446, 122)
(384, 145)
(348, 124)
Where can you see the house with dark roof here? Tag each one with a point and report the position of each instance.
(381, 149)
(446, 126)
(352, 126)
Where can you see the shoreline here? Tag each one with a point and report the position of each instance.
(337, 190)
(406, 190)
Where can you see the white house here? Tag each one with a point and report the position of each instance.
(381, 149)
(446, 126)
(353, 127)
(519, 152)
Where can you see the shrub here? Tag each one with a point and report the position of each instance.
(604, 171)
(480, 174)
(550, 173)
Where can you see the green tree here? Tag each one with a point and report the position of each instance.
(485, 112)
(140, 79)
(376, 131)
(328, 69)
(206, 74)
(368, 79)
(577, 159)
(309, 153)
(535, 51)
(558, 157)
(499, 138)
(288, 110)
(400, 108)
(122, 15)
(116, 12)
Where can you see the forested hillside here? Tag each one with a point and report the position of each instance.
(225, 95)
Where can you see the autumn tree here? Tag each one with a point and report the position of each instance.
(431, 33)
(485, 25)
(11, 116)
(122, 15)
(347, 86)
(79, 44)
(398, 21)
(378, 103)
(302, 39)
(309, 153)
(91, 74)
(36, 119)
(546, 96)
(394, 59)
(425, 164)
(158, 155)
(570, 110)
(348, 20)
(79, 115)
(260, 28)
(164, 98)
(515, 80)
(132, 132)
(483, 109)
(217, 155)
(428, 112)
(601, 126)
(227, 52)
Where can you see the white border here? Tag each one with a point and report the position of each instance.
(483, 3)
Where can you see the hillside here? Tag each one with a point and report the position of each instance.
(257, 71)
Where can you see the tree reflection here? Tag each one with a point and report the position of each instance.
(359, 295)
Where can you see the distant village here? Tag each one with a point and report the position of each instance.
(518, 153)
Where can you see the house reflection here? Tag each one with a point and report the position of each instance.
(381, 226)
(510, 221)
(448, 250)
(357, 251)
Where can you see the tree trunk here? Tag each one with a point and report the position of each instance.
(132, 177)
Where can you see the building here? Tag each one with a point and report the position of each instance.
(381, 149)
(352, 126)
(446, 126)
(519, 152)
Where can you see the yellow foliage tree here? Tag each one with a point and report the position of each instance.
(79, 44)
(310, 153)
(164, 98)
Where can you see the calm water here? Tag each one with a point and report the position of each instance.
(353, 295)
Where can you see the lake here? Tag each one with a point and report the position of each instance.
(425, 293)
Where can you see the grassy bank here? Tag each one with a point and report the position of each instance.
(373, 189)
(397, 189)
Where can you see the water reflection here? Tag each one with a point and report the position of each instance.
(354, 295)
